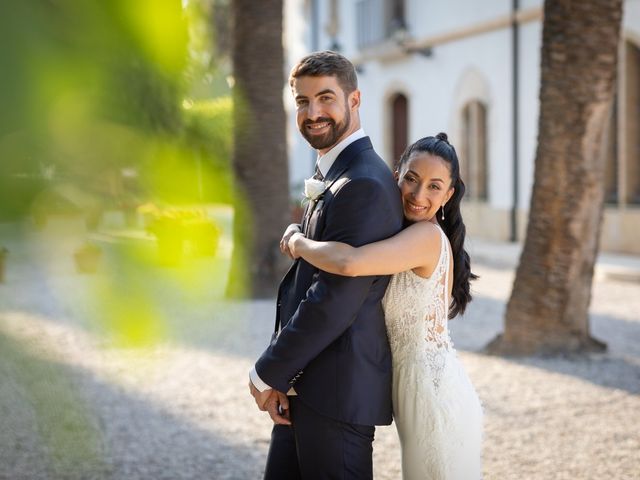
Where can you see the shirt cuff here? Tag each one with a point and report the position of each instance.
(257, 381)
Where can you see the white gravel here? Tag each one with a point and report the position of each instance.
(75, 403)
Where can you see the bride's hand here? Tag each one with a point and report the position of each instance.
(284, 243)
(293, 244)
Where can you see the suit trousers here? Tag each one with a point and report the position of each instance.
(316, 447)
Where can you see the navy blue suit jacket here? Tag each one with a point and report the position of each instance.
(332, 345)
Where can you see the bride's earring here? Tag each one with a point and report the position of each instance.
(442, 212)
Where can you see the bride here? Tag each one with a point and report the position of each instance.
(436, 409)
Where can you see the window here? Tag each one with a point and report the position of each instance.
(378, 20)
(622, 168)
(473, 160)
(395, 16)
(611, 166)
(631, 113)
(399, 125)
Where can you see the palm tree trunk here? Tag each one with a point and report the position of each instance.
(259, 156)
(548, 308)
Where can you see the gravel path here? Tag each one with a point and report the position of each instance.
(77, 403)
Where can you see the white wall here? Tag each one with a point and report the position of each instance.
(631, 20)
(429, 18)
(438, 86)
(529, 104)
(434, 87)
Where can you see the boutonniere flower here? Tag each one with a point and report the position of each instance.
(313, 189)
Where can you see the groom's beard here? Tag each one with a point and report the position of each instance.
(329, 139)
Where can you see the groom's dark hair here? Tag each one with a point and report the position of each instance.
(327, 64)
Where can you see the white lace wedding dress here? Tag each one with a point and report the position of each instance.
(436, 409)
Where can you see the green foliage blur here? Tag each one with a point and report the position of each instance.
(108, 107)
(120, 107)
(96, 110)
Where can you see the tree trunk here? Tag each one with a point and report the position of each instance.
(548, 308)
(259, 153)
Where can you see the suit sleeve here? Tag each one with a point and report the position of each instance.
(359, 214)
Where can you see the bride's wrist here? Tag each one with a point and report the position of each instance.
(295, 240)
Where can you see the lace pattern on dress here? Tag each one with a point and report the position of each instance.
(416, 312)
(438, 340)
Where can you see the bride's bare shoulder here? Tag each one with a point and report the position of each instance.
(426, 231)
(428, 234)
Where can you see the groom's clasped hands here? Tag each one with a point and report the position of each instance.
(274, 402)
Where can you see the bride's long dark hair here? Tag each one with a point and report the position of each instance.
(452, 225)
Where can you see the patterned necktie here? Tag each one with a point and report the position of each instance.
(318, 174)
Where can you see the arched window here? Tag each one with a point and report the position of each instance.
(399, 125)
(474, 150)
(611, 166)
(622, 168)
(631, 112)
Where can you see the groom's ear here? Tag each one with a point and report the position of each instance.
(354, 99)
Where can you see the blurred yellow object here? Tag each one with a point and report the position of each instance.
(87, 258)
(181, 230)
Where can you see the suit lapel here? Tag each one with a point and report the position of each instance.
(339, 167)
(344, 159)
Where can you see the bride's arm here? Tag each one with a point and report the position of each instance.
(416, 246)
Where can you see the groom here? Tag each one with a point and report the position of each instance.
(330, 351)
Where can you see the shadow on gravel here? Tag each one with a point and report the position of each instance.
(61, 422)
(601, 369)
(244, 330)
(618, 368)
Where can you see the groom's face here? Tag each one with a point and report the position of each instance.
(323, 111)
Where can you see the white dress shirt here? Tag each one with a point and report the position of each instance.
(324, 163)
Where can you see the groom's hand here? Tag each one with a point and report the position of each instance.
(278, 407)
(260, 397)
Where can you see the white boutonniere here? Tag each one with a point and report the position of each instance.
(313, 189)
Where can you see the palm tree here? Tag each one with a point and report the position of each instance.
(259, 156)
(548, 308)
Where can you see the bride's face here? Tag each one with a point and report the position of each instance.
(425, 185)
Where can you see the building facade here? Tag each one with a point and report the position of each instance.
(471, 69)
